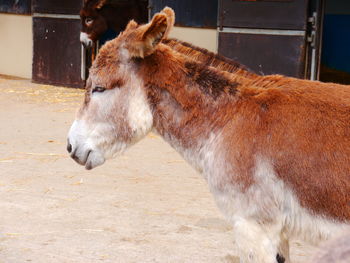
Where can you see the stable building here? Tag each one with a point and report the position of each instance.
(300, 38)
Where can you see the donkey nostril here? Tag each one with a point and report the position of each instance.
(280, 259)
(69, 148)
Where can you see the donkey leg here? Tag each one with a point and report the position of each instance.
(257, 243)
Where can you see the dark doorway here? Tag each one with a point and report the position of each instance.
(335, 66)
(117, 14)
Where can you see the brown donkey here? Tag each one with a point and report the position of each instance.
(275, 151)
(101, 16)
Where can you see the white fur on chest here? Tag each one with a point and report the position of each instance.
(201, 157)
(270, 202)
(267, 214)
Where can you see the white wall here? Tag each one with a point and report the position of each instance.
(16, 45)
(205, 38)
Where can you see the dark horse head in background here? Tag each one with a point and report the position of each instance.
(101, 16)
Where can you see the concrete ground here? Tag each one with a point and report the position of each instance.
(146, 206)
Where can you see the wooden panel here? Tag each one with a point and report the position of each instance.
(15, 6)
(71, 7)
(194, 13)
(57, 51)
(269, 14)
(265, 54)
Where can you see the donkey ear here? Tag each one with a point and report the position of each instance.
(144, 39)
(155, 31)
(131, 25)
(100, 4)
(170, 14)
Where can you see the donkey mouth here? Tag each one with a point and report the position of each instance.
(88, 163)
(90, 160)
(78, 159)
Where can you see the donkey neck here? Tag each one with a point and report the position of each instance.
(190, 102)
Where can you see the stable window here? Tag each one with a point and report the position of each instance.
(335, 66)
(194, 13)
(22, 7)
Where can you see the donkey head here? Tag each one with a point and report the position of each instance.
(93, 23)
(97, 16)
(116, 112)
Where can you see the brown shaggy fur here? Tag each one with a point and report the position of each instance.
(267, 145)
(207, 57)
(310, 153)
(209, 81)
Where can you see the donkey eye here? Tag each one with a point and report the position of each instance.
(88, 21)
(98, 89)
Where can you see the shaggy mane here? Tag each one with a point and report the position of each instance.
(207, 57)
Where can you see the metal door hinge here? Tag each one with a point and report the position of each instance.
(311, 38)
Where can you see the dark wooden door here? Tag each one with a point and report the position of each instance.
(268, 36)
(57, 49)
